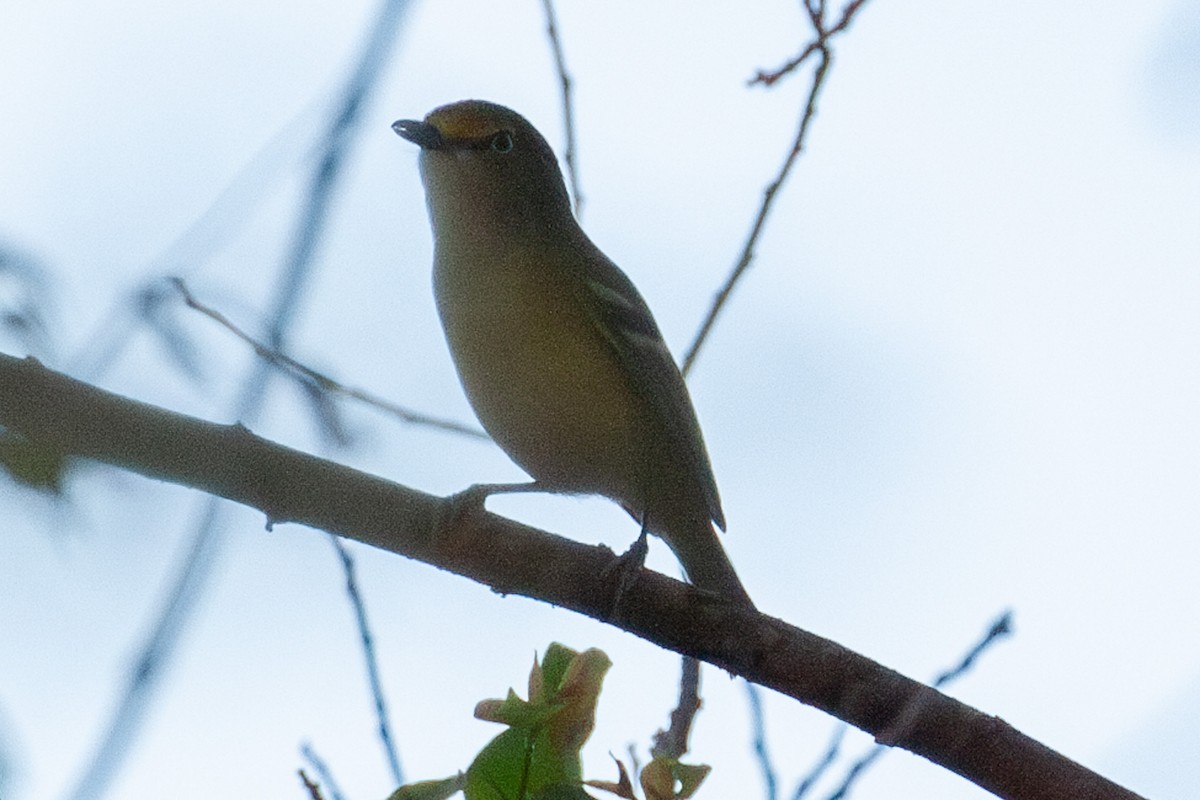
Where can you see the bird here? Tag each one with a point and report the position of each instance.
(557, 352)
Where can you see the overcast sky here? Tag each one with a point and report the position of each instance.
(962, 375)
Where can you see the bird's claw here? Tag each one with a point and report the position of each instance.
(624, 569)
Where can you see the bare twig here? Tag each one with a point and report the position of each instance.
(323, 382)
(820, 47)
(564, 80)
(823, 763)
(1002, 627)
(848, 12)
(673, 742)
(313, 788)
(816, 11)
(371, 658)
(324, 775)
(856, 771)
(759, 727)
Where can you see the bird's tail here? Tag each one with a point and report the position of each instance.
(699, 550)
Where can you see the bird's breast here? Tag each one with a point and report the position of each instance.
(537, 370)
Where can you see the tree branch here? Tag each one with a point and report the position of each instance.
(54, 411)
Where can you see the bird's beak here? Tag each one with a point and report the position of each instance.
(422, 134)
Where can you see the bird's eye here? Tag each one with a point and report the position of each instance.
(502, 142)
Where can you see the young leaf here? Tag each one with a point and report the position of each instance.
(538, 756)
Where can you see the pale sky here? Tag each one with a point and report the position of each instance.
(961, 376)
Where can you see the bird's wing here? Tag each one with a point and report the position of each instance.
(627, 325)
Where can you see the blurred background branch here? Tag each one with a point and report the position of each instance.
(295, 276)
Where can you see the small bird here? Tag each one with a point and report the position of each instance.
(559, 355)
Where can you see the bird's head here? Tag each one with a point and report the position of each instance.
(484, 164)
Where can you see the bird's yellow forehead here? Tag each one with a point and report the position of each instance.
(466, 120)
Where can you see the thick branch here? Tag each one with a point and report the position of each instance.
(290, 486)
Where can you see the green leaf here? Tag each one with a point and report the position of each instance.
(537, 758)
(500, 770)
(430, 790)
(563, 793)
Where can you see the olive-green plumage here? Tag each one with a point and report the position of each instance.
(558, 354)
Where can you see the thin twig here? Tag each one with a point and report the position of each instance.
(764, 210)
(759, 727)
(673, 742)
(371, 658)
(324, 775)
(322, 382)
(820, 47)
(314, 788)
(856, 771)
(770, 78)
(1003, 626)
(823, 763)
(816, 14)
(564, 80)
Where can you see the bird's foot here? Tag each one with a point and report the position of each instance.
(623, 571)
